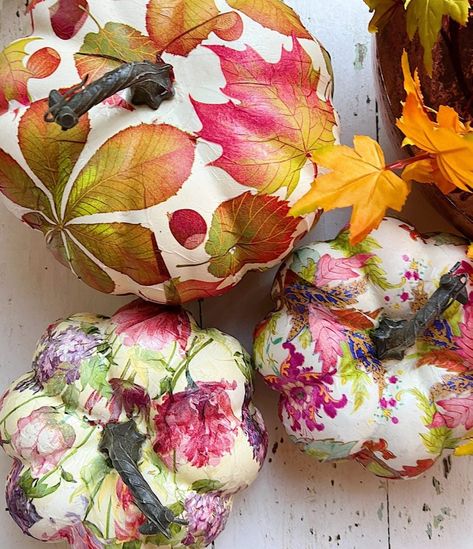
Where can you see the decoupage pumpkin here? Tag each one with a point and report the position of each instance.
(371, 348)
(174, 190)
(134, 431)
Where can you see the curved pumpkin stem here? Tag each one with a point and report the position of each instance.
(392, 338)
(150, 84)
(122, 443)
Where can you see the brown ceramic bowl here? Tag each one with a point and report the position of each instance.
(451, 84)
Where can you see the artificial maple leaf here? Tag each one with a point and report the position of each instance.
(359, 178)
(470, 251)
(449, 153)
(14, 73)
(179, 26)
(383, 11)
(274, 121)
(425, 18)
(249, 230)
(272, 14)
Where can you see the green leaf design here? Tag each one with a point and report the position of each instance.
(67, 476)
(134, 170)
(18, 186)
(126, 248)
(94, 373)
(50, 152)
(372, 267)
(70, 397)
(86, 269)
(350, 373)
(35, 489)
(110, 47)
(206, 485)
(437, 439)
(94, 473)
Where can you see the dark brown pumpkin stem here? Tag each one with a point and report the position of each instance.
(392, 338)
(150, 84)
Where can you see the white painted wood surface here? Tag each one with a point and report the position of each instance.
(296, 503)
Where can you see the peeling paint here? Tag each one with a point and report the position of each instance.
(361, 51)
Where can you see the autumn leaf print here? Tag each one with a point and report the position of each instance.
(273, 14)
(132, 171)
(179, 26)
(15, 72)
(274, 121)
(249, 229)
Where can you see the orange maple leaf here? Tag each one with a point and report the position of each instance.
(448, 161)
(359, 178)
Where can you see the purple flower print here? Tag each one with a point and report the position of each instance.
(21, 509)
(305, 392)
(207, 515)
(253, 427)
(64, 350)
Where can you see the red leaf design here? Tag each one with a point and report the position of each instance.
(330, 269)
(354, 319)
(68, 17)
(274, 121)
(422, 466)
(328, 335)
(450, 360)
(178, 292)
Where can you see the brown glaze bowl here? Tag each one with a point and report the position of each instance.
(451, 84)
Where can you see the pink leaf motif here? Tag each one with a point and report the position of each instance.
(328, 334)
(465, 341)
(331, 269)
(458, 411)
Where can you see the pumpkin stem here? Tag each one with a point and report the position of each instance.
(122, 443)
(392, 338)
(150, 84)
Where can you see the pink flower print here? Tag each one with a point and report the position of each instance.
(457, 411)
(392, 402)
(42, 439)
(383, 403)
(408, 275)
(404, 297)
(304, 392)
(406, 258)
(395, 420)
(152, 326)
(130, 530)
(196, 426)
(393, 380)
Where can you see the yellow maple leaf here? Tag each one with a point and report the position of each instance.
(383, 11)
(446, 140)
(359, 178)
(465, 449)
(470, 251)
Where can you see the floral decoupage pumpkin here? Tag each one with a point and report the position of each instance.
(371, 348)
(134, 431)
(174, 189)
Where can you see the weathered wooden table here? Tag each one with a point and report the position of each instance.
(296, 503)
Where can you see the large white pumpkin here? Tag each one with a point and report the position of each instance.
(180, 202)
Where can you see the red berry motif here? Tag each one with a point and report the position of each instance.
(188, 228)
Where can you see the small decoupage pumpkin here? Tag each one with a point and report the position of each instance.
(134, 431)
(177, 202)
(371, 348)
